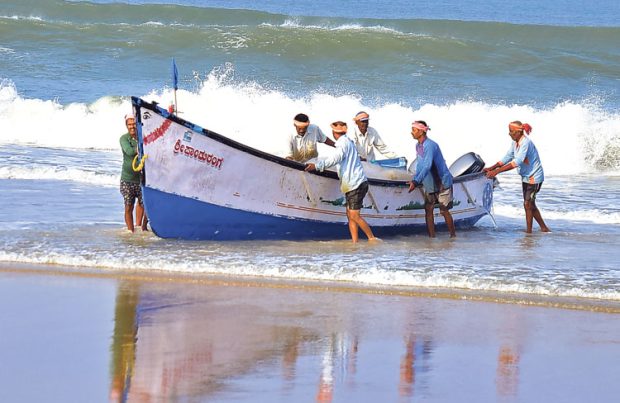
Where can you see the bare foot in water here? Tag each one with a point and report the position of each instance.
(375, 239)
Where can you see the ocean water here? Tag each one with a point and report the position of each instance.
(68, 68)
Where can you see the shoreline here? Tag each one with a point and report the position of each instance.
(571, 303)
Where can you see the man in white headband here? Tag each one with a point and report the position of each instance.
(367, 139)
(353, 182)
(433, 174)
(303, 144)
(130, 180)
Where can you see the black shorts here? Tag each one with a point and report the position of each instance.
(355, 198)
(530, 190)
(131, 191)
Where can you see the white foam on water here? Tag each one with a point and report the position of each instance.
(369, 276)
(297, 24)
(262, 118)
(576, 215)
(76, 174)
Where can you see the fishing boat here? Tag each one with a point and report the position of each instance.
(201, 185)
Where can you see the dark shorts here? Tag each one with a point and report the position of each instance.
(131, 191)
(530, 190)
(444, 197)
(355, 198)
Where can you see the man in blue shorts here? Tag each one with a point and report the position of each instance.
(432, 173)
(523, 156)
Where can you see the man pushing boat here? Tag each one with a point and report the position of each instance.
(353, 182)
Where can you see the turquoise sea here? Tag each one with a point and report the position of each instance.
(68, 69)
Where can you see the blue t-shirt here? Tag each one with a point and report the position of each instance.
(525, 157)
(431, 169)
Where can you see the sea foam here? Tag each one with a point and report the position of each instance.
(571, 137)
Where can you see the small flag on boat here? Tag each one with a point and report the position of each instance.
(175, 75)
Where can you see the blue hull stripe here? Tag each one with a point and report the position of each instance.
(174, 216)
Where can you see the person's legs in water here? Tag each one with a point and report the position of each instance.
(531, 210)
(445, 200)
(449, 221)
(355, 200)
(140, 217)
(352, 227)
(128, 192)
(430, 219)
(129, 216)
(355, 221)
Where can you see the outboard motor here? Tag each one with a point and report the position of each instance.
(469, 163)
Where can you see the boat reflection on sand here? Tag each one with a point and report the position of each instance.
(191, 343)
(197, 339)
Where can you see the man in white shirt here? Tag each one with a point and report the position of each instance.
(302, 144)
(353, 182)
(367, 139)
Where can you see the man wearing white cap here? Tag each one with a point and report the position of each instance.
(302, 144)
(353, 182)
(130, 180)
(367, 139)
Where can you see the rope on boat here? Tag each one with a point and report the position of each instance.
(140, 165)
(374, 203)
(311, 199)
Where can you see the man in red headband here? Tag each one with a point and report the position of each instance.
(523, 156)
(433, 174)
(353, 182)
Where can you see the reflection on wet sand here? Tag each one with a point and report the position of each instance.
(513, 331)
(169, 346)
(414, 364)
(124, 340)
(198, 342)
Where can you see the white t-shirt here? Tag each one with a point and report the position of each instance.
(350, 170)
(304, 148)
(366, 144)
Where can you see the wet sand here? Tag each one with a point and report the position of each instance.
(87, 335)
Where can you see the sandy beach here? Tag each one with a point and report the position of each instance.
(87, 335)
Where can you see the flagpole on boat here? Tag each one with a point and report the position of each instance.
(175, 84)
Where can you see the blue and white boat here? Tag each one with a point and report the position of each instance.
(201, 185)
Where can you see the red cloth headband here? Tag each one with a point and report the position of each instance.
(421, 126)
(525, 127)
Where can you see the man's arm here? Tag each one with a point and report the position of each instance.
(291, 151)
(127, 148)
(424, 164)
(502, 168)
(382, 147)
(505, 164)
(330, 161)
(322, 137)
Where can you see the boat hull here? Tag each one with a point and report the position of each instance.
(174, 216)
